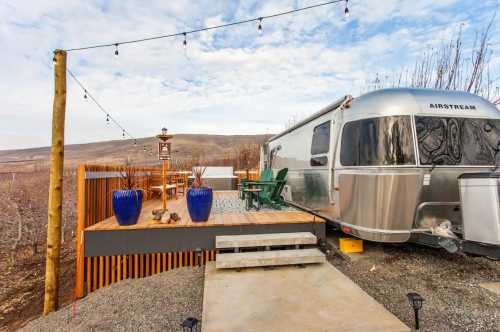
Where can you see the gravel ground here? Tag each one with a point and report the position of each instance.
(156, 303)
(454, 301)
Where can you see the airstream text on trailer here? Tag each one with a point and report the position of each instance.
(399, 165)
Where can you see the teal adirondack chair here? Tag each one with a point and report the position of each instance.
(271, 190)
(265, 175)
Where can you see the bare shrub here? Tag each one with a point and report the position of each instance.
(452, 66)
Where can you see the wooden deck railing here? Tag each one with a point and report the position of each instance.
(95, 185)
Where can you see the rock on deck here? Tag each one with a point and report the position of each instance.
(314, 298)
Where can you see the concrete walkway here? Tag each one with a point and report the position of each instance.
(314, 298)
(492, 287)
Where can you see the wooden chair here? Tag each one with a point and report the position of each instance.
(181, 184)
(270, 195)
(265, 176)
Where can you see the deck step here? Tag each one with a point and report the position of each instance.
(269, 258)
(264, 240)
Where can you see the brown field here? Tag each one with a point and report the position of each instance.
(24, 178)
(185, 147)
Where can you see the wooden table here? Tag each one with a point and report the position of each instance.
(167, 188)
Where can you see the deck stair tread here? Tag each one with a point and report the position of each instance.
(264, 240)
(269, 258)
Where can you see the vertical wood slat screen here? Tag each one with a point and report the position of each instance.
(105, 270)
(94, 204)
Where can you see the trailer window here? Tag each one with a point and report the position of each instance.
(458, 141)
(378, 142)
(321, 139)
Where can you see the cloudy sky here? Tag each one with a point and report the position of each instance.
(227, 81)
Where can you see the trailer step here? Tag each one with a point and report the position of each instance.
(264, 240)
(269, 258)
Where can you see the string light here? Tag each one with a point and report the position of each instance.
(207, 28)
(85, 96)
(144, 149)
(109, 118)
(116, 53)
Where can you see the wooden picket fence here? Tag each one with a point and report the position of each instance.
(95, 185)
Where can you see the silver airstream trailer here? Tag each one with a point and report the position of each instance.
(386, 166)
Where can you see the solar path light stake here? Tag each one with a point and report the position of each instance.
(416, 302)
(190, 324)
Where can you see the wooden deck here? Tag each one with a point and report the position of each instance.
(108, 252)
(179, 206)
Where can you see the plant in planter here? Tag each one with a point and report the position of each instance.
(199, 198)
(127, 203)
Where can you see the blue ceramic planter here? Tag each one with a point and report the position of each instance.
(127, 205)
(199, 202)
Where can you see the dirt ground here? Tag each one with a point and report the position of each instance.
(22, 287)
(23, 214)
(449, 283)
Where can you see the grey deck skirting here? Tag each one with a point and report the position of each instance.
(172, 239)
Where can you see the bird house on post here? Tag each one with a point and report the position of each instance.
(164, 148)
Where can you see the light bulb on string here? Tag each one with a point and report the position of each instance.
(135, 142)
(107, 119)
(144, 149)
(123, 133)
(116, 50)
(85, 96)
(346, 10)
(184, 42)
(259, 28)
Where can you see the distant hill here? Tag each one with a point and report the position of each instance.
(184, 146)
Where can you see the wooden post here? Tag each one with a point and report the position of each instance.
(51, 300)
(164, 184)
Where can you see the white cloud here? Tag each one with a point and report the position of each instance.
(227, 81)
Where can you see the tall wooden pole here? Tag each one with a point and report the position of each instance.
(51, 301)
(164, 184)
